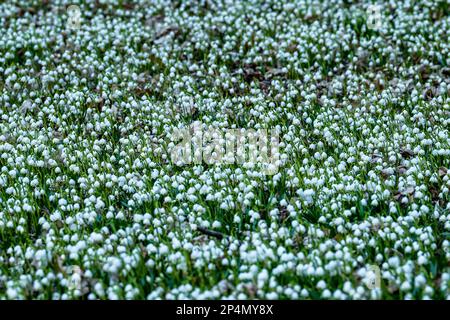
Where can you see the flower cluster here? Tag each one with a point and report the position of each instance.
(92, 207)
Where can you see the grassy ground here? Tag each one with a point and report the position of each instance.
(92, 207)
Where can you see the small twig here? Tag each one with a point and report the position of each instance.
(211, 233)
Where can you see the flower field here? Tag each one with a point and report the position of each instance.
(95, 204)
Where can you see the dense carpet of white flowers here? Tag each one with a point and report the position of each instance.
(91, 207)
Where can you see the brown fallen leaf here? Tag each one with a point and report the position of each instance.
(434, 193)
(128, 5)
(386, 173)
(442, 171)
(167, 30)
(392, 288)
(402, 169)
(292, 48)
(445, 72)
(407, 153)
(274, 72)
(265, 85)
(251, 74)
(408, 192)
(202, 239)
(424, 71)
(283, 213)
(375, 157)
(143, 250)
(251, 290)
